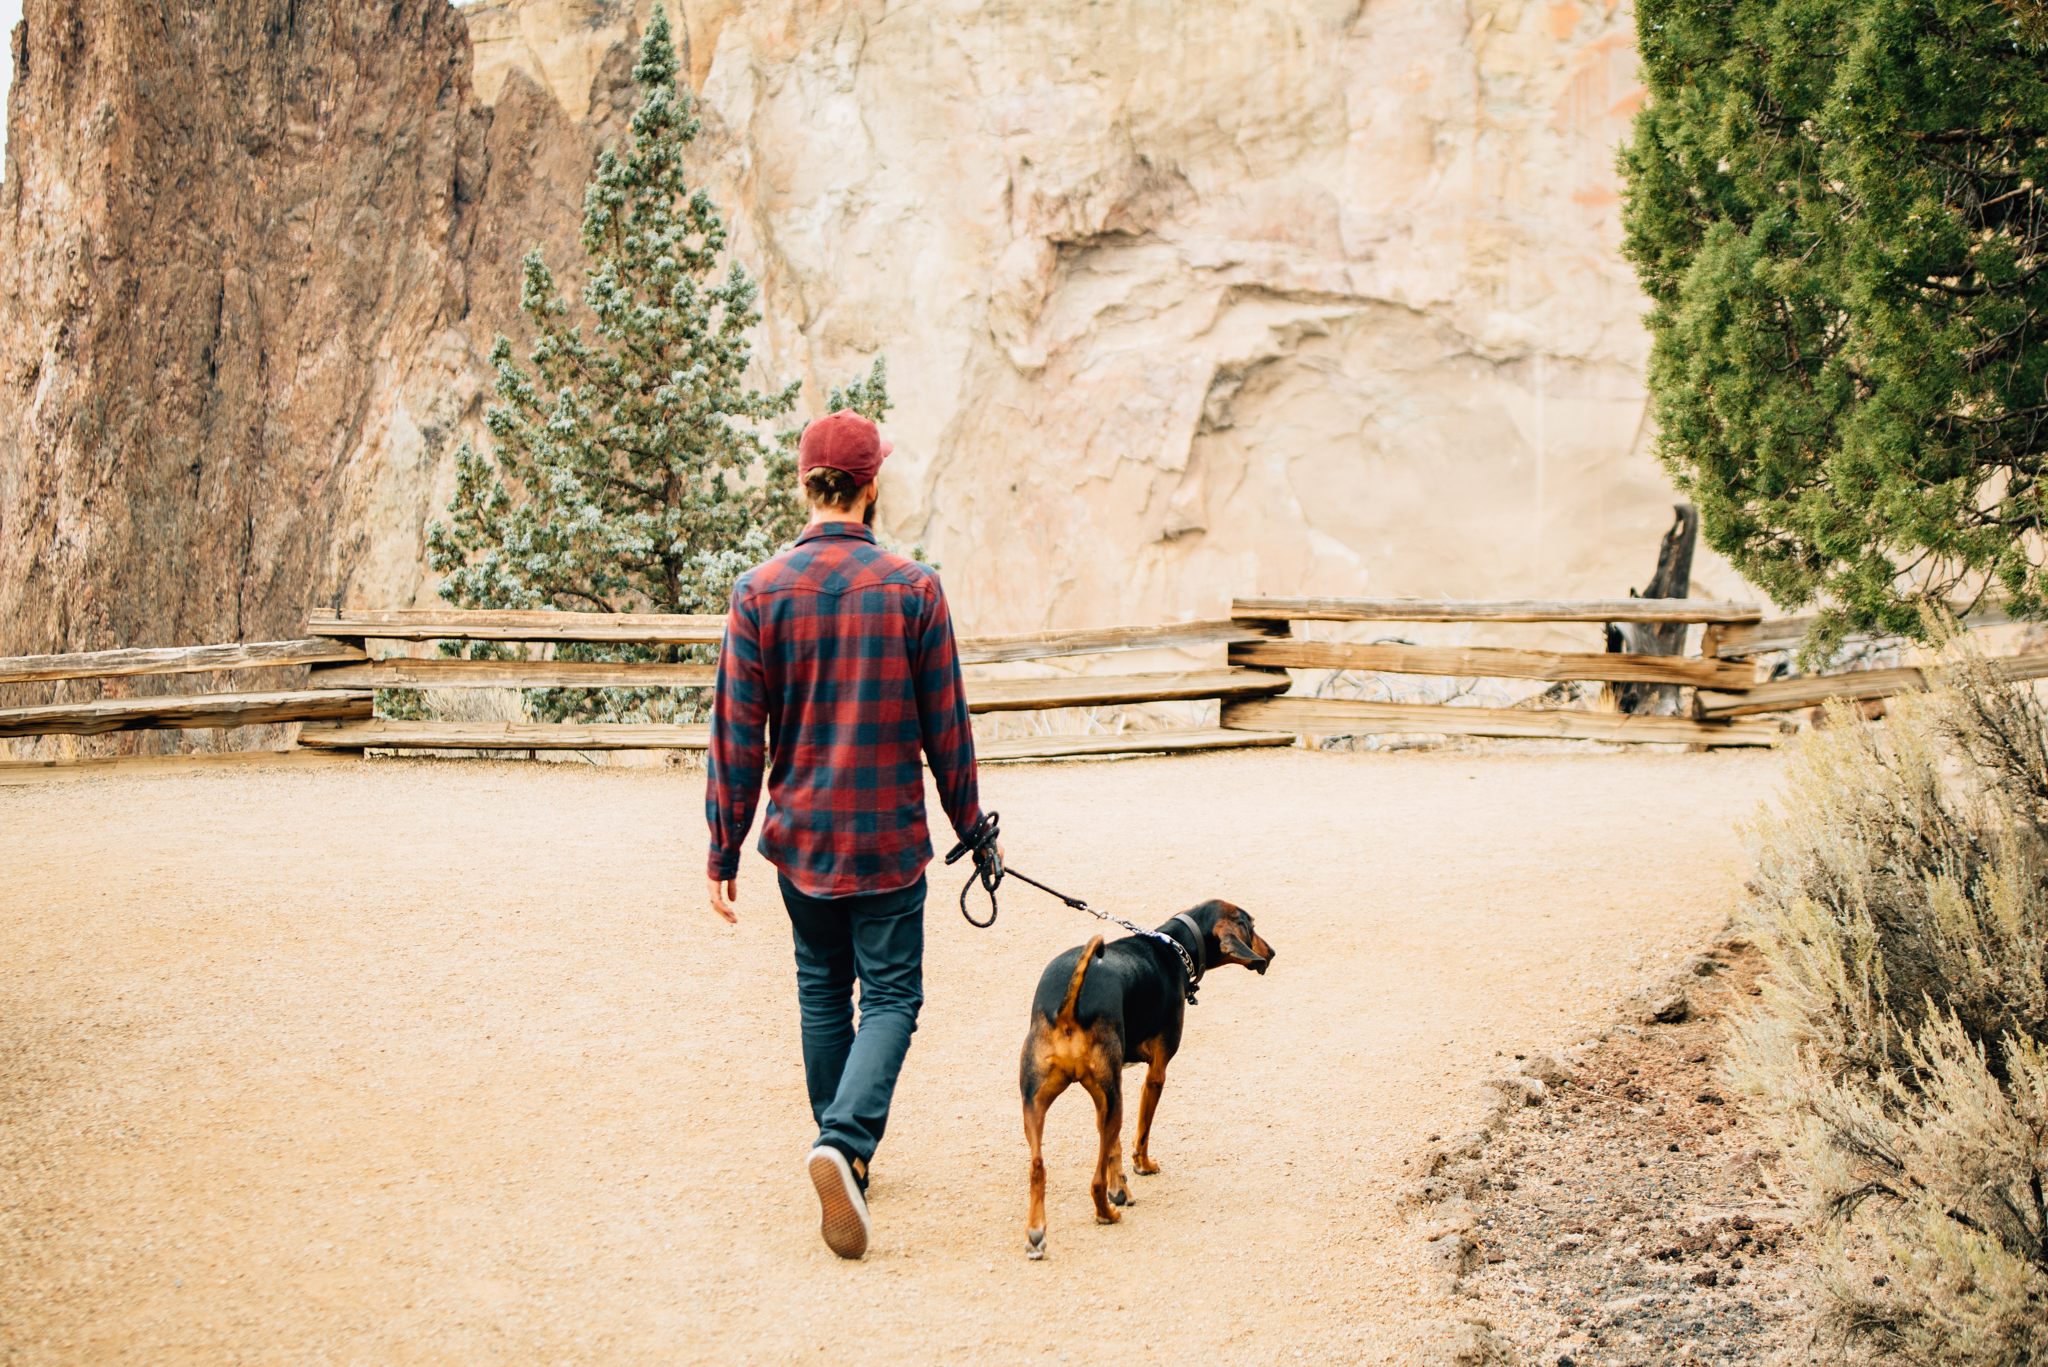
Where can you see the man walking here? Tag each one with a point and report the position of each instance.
(845, 653)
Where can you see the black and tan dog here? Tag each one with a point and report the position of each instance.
(1103, 1008)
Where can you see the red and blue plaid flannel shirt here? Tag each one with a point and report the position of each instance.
(845, 652)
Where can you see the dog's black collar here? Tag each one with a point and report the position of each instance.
(1197, 958)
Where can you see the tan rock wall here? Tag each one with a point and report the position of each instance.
(1190, 300)
(1180, 300)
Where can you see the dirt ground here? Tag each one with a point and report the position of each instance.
(446, 1062)
(1640, 1216)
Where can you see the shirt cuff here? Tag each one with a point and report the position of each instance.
(723, 867)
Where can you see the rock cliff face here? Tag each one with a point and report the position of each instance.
(1180, 300)
(228, 234)
(1190, 300)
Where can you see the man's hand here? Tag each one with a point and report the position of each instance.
(723, 895)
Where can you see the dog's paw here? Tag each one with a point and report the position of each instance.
(1034, 1244)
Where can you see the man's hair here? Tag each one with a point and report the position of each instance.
(829, 488)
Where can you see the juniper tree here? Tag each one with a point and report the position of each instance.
(1836, 207)
(634, 470)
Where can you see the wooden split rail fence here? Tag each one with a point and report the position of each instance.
(336, 704)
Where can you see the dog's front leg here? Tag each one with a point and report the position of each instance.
(1148, 1106)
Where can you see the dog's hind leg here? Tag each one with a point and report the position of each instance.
(1109, 1123)
(1148, 1106)
(1035, 1107)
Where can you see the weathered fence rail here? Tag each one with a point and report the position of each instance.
(435, 624)
(1488, 662)
(204, 712)
(1785, 633)
(1786, 695)
(1344, 717)
(335, 704)
(113, 664)
(1660, 610)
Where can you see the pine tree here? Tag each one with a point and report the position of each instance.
(1837, 209)
(634, 471)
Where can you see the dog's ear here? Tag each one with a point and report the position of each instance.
(1240, 943)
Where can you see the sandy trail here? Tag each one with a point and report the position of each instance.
(398, 1062)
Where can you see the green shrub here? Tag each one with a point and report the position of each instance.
(1901, 898)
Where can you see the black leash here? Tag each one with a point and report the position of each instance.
(989, 871)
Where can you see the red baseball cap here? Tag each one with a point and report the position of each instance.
(843, 441)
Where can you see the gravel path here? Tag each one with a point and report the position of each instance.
(446, 1062)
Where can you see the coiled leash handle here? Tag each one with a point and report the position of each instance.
(988, 866)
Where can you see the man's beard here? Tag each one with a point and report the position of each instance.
(867, 516)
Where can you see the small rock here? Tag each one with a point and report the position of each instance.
(1879, 1280)
(1427, 1192)
(1474, 1344)
(1470, 1144)
(1518, 1091)
(1454, 1254)
(1456, 1217)
(1549, 1069)
(1669, 1009)
(1701, 966)
(1468, 1179)
(1710, 1277)
(1499, 1098)
(1710, 1099)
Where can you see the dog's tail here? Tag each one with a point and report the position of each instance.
(1088, 955)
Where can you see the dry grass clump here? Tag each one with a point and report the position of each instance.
(1901, 898)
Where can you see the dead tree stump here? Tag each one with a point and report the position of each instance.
(1673, 579)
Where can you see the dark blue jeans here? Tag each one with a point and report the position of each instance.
(851, 1073)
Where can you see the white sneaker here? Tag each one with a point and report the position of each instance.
(845, 1211)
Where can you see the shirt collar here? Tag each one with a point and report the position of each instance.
(859, 530)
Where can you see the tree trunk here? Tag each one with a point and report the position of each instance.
(1673, 579)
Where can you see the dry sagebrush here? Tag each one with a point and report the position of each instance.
(1901, 897)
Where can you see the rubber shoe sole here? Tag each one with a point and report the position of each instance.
(844, 1210)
